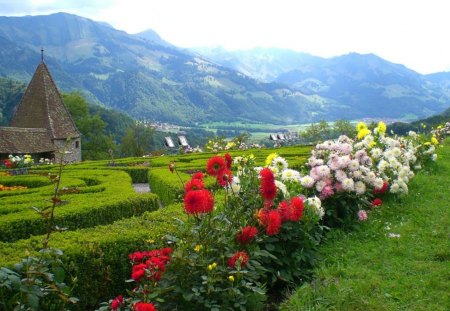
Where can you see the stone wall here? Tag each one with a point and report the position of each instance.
(71, 150)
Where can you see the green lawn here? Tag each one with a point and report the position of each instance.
(366, 269)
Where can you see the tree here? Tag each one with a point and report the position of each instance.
(95, 141)
(343, 127)
(137, 141)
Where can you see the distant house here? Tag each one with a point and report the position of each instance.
(41, 124)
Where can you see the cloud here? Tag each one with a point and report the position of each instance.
(36, 7)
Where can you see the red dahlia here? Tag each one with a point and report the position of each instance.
(377, 202)
(273, 223)
(198, 175)
(198, 201)
(382, 189)
(268, 188)
(194, 184)
(246, 234)
(117, 302)
(215, 165)
(296, 209)
(228, 160)
(138, 272)
(241, 258)
(225, 177)
(144, 306)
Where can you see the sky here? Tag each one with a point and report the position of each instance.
(410, 32)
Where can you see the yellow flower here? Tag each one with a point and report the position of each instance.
(360, 126)
(434, 141)
(372, 144)
(363, 133)
(270, 158)
(231, 278)
(150, 241)
(427, 143)
(381, 127)
(198, 248)
(230, 145)
(212, 266)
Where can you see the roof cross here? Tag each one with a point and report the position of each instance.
(42, 55)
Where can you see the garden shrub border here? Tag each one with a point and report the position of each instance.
(97, 257)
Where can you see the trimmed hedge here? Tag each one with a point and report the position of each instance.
(114, 199)
(98, 257)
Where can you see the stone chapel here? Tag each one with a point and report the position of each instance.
(42, 124)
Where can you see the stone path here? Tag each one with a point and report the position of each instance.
(141, 188)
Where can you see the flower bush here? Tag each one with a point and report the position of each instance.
(17, 161)
(261, 226)
(237, 239)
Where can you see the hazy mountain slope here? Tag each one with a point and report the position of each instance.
(264, 64)
(370, 85)
(141, 77)
(146, 77)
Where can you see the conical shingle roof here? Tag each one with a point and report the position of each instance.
(42, 107)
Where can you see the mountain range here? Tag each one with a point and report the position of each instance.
(149, 78)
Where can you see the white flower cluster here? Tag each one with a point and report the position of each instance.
(336, 166)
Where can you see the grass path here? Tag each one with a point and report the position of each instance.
(365, 269)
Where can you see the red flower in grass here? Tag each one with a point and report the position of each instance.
(194, 184)
(382, 189)
(228, 160)
(376, 202)
(7, 163)
(273, 222)
(198, 175)
(268, 188)
(117, 302)
(225, 177)
(198, 201)
(144, 306)
(215, 165)
(241, 258)
(246, 234)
